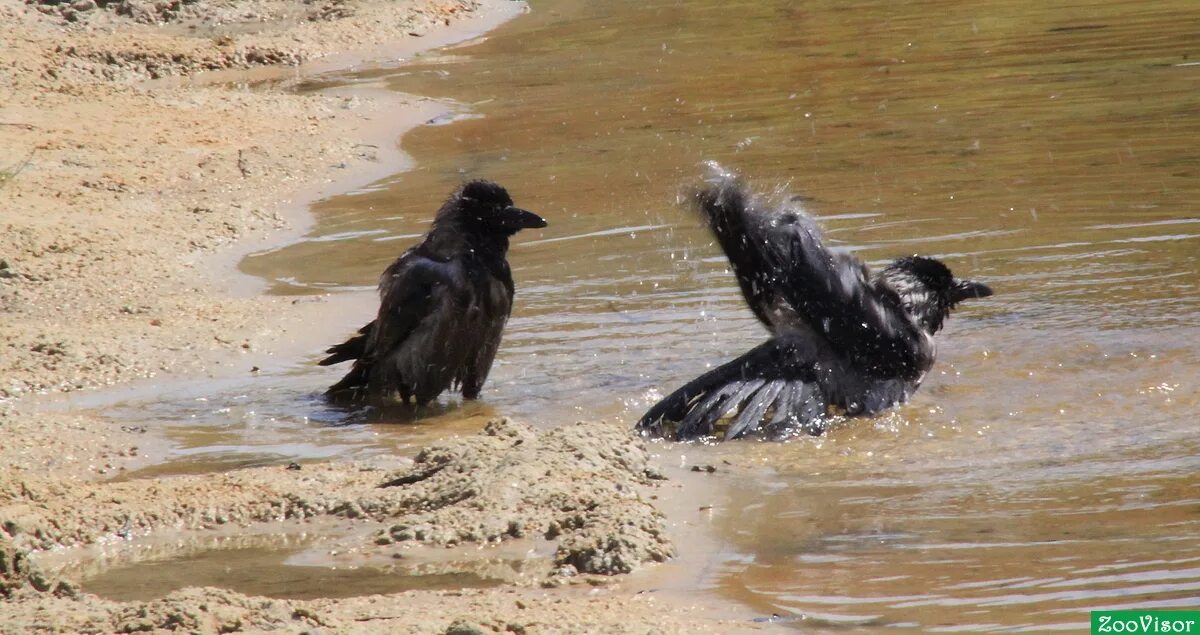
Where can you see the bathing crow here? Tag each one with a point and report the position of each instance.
(443, 305)
(840, 337)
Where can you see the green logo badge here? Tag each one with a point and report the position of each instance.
(1145, 622)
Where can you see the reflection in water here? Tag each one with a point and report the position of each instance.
(1048, 149)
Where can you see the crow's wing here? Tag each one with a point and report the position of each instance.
(418, 331)
(780, 377)
(793, 282)
(742, 231)
(495, 306)
(414, 290)
(408, 295)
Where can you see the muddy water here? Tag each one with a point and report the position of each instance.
(1046, 468)
(280, 566)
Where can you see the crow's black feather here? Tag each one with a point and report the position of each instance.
(839, 336)
(443, 305)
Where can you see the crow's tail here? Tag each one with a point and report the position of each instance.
(352, 387)
(353, 348)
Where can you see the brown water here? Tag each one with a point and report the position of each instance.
(1045, 469)
(322, 560)
(265, 571)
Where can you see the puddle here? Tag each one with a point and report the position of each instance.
(267, 573)
(299, 567)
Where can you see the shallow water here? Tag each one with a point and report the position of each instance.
(322, 561)
(266, 572)
(1046, 468)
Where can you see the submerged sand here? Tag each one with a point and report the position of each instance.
(125, 195)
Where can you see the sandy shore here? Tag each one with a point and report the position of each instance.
(127, 192)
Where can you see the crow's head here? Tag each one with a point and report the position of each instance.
(483, 207)
(927, 290)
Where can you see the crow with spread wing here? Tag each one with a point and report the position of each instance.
(443, 305)
(840, 337)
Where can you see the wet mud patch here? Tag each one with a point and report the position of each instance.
(507, 506)
(578, 485)
(282, 573)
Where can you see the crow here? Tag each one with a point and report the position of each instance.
(841, 339)
(443, 305)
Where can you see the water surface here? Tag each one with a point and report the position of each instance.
(1046, 468)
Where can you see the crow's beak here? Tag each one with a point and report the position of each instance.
(523, 219)
(968, 289)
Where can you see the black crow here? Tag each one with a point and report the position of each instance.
(841, 338)
(443, 305)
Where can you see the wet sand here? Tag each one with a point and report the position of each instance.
(124, 206)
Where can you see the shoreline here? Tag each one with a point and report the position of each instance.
(122, 237)
(378, 115)
(46, 355)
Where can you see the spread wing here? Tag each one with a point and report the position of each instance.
(783, 386)
(744, 231)
(792, 281)
(779, 378)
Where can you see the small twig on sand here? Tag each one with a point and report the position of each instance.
(10, 173)
(242, 165)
